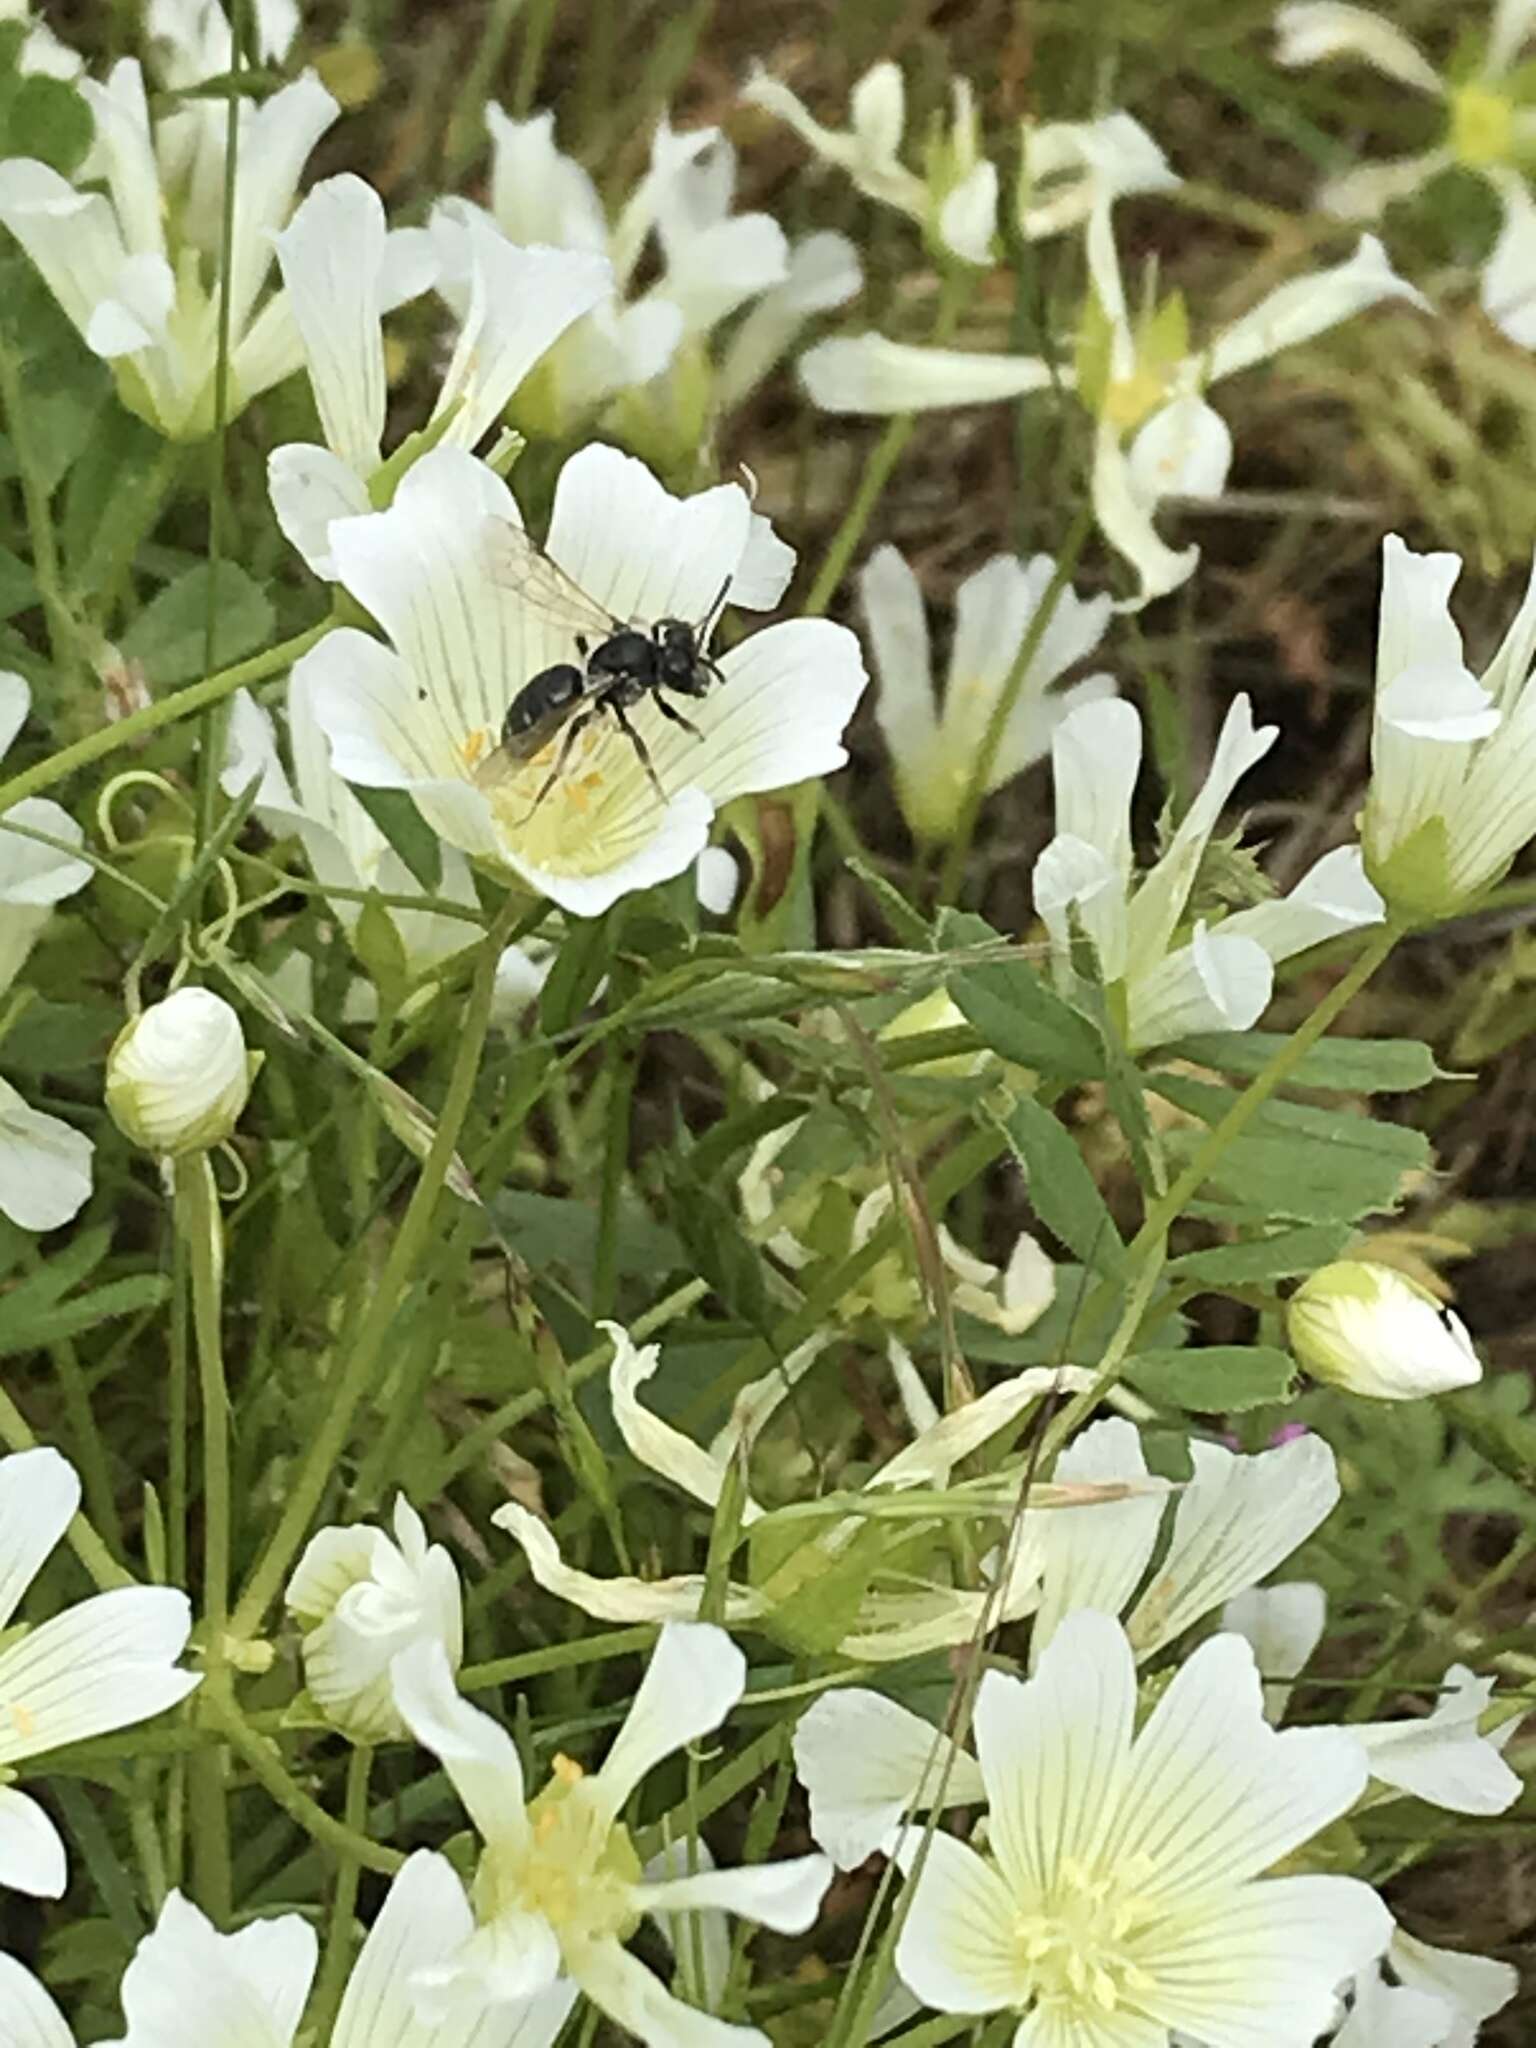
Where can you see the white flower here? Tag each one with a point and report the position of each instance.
(1284, 1625)
(146, 304)
(104, 1663)
(1452, 796)
(343, 270)
(187, 1983)
(179, 1074)
(1122, 1895)
(344, 847)
(1471, 1988)
(1490, 128)
(1070, 168)
(955, 201)
(865, 373)
(934, 749)
(558, 1889)
(362, 1599)
(650, 346)
(424, 713)
(45, 1165)
(1371, 1330)
(867, 1763)
(1175, 980)
(901, 1612)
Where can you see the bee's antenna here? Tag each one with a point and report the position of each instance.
(712, 617)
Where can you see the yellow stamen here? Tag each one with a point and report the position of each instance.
(567, 1770)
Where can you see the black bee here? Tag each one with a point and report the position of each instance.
(622, 662)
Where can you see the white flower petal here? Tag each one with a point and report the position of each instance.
(1383, 2015)
(537, 193)
(477, 1753)
(34, 875)
(71, 238)
(968, 216)
(1237, 1518)
(1075, 168)
(695, 1676)
(28, 2016)
(1508, 287)
(1333, 896)
(653, 1442)
(824, 271)
(867, 374)
(39, 1493)
(1441, 1757)
(280, 135)
(103, 1664)
(785, 1895)
(865, 1761)
(898, 629)
(1284, 1625)
(1308, 306)
(31, 1850)
(1125, 520)
(616, 1599)
(1476, 1987)
(1183, 451)
(958, 1950)
(1365, 192)
(1095, 760)
(1094, 1556)
(933, 1456)
(621, 1986)
(1311, 30)
(1220, 981)
(309, 487)
(716, 880)
(331, 255)
(188, 1982)
(1073, 877)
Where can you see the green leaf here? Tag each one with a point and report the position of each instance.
(18, 592)
(578, 967)
(45, 118)
(1279, 1256)
(1216, 1379)
(395, 813)
(170, 635)
(21, 1331)
(547, 1231)
(905, 920)
(816, 1596)
(1352, 1066)
(1015, 1011)
(1296, 1162)
(713, 1243)
(1061, 1188)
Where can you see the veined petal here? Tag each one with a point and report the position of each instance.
(1094, 1557)
(621, 1986)
(28, 2016)
(1428, 721)
(1220, 981)
(865, 1762)
(653, 1442)
(478, 1754)
(538, 194)
(1415, 628)
(71, 238)
(933, 1456)
(1237, 1518)
(188, 1982)
(1283, 1625)
(102, 1664)
(1125, 520)
(784, 1895)
(31, 1850)
(1054, 1752)
(1159, 902)
(867, 374)
(1308, 306)
(1183, 451)
(45, 1165)
(958, 1950)
(1333, 896)
(898, 630)
(282, 132)
(1072, 876)
(39, 1493)
(123, 153)
(1507, 293)
(616, 1599)
(1476, 1987)
(1261, 1963)
(1213, 1795)
(331, 256)
(1311, 30)
(309, 488)
(1441, 1757)
(695, 1676)
(1095, 760)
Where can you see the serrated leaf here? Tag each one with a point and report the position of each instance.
(1215, 1379)
(169, 637)
(1349, 1066)
(1061, 1188)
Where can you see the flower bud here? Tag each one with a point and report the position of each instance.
(363, 1599)
(179, 1074)
(1369, 1329)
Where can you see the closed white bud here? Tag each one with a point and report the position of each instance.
(179, 1074)
(1372, 1331)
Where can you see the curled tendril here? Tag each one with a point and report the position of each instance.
(132, 778)
(224, 1151)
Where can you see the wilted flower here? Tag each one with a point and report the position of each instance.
(144, 302)
(1452, 796)
(559, 1889)
(362, 1599)
(1122, 1894)
(425, 714)
(104, 1663)
(189, 1983)
(179, 1074)
(904, 1605)
(1490, 130)
(954, 200)
(935, 747)
(45, 1165)
(1174, 977)
(343, 270)
(1372, 1330)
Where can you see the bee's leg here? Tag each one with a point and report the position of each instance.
(671, 711)
(573, 732)
(638, 744)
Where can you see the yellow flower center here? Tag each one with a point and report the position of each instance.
(1129, 400)
(1482, 126)
(1076, 1945)
(576, 1870)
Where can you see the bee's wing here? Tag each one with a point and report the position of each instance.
(517, 563)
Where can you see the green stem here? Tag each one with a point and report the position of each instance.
(614, 1642)
(178, 1411)
(266, 1766)
(90, 1451)
(338, 1940)
(197, 1218)
(63, 635)
(360, 1362)
(536, 34)
(81, 1535)
(128, 732)
(958, 852)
